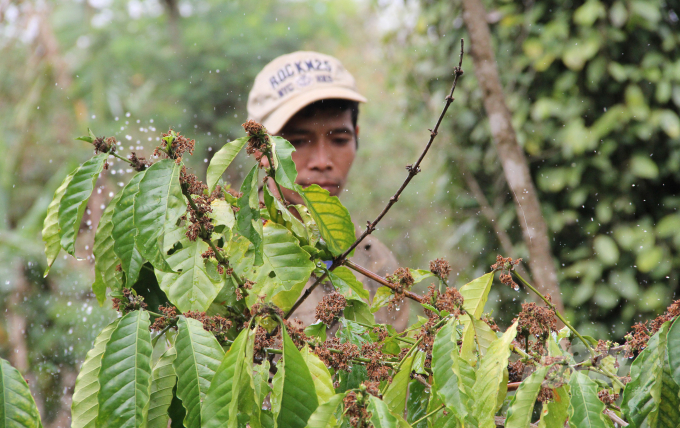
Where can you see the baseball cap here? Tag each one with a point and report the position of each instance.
(291, 82)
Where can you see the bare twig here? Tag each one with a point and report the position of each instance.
(379, 279)
(511, 154)
(413, 170)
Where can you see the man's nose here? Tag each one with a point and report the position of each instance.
(321, 158)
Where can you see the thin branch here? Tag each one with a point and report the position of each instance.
(413, 170)
(379, 279)
(428, 415)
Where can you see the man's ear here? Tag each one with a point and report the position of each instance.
(356, 131)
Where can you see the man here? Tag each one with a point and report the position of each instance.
(311, 100)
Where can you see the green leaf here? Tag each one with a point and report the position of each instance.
(124, 232)
(50, 232)
(491, 383)
(281, 215)
(382, 417)
(105, 259)
(125, 375)
(482, 333)
(641, 397)
(673, 349)
(324, 415)
(346, 283)
(475, 294)
(248, 222)
(358, 310)
(522, 404)
(158, 204)
(323, 383)
(298, 399)
(72, 205)
(382, 298)
(332, 218)
(84, 405)
(395, 396)
(286, 173)
(285, 269)
(222, 215)
(223, 157)
(445, 381)
(318, 329)
(417, 403)
(198, 357)
(585, 408)
(420, 275)
(197, 282)
(17, 407)
(163, 381)
(554, 413)
(220, 407)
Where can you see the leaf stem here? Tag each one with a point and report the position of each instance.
(394, 337)
(559, 315)
(162, 332)
(120, 157)
(428, 415)
(272, 175)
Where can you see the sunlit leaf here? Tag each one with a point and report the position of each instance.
(522, 404)
(324, 415)
(124, 232)
(298, 398)
(50, 232)
(382, 417)
(72, 205)
(84, 404)
(445, 381)
(554, 413)
(105, 259)
(286, 173)
(125, 374)
(163, 381)
(395, 396)
(585, 408)
(223, 157)
(158, 204)
(17, 407)
(323, 383)
(332, 218)
(198, 357)
(248, 222)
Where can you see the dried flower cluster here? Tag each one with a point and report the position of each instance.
(441, 268)
(537, 321)
(607, 397)
(178, 146)
(451, 300)
(376, 368)
(403, 280)
(240, 292)
(330, 308)
(516, 371)
(169, 315)
(139, 163)
(338, 361)
(355, 410)
(129, 302)
(104, 145)
(637, 340)
(259, 140)
(216, 325)
(505, 265)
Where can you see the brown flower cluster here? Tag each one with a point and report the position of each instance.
(338, 361)
(427, 334)
(191, 183)
(130, 302)
(104, 145)
(376, 369)
(441, 268)
(372, 388)
(355, 410)
(637, 340)
(178, 147)
(516, 371)
(537, 321)
(265, 309)
(403, 279)
(607, 397)
(451, 300)
(264, 340)
(240, 292)
(488, 319)
(139, 163)
(505, 265)
(330, 307)
(259, 140)
(546, 394)
(169, 314)
(216, 325)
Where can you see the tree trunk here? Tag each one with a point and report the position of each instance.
(534, 228)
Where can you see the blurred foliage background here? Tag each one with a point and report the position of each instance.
(594, 88)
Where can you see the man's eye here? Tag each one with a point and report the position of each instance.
(341, 141)
(298, 142)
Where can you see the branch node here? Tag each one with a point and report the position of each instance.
(432, 133)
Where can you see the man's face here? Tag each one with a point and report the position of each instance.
(325, 146)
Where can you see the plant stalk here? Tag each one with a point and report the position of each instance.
(559, 315)
(428, 415)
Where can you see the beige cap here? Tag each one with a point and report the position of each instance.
(290, 82)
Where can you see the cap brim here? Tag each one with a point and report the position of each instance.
(275, 121)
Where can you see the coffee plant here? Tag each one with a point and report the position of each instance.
(207, 280)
